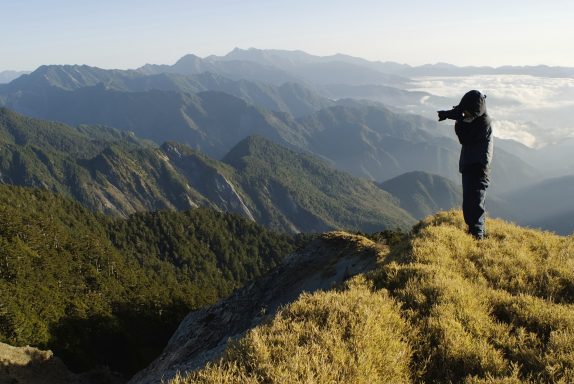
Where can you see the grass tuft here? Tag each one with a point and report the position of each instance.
(354, 335)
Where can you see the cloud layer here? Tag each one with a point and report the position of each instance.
(533, 110)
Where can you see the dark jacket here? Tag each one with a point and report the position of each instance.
(474, 135)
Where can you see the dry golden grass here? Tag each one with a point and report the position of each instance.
(496, 310)
(353, 335)
(445, 308)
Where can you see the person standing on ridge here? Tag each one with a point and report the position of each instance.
(474, 132)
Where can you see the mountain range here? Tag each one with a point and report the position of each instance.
(289, 97)
(8, 76)
(380, 143)
(277, 67)
(396, 72)
(212, 104)
(115, 172)
(547, 204)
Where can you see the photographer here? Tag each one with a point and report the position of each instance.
(474, 132)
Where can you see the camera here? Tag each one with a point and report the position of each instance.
(454, 114)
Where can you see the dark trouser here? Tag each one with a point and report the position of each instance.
(474, 186)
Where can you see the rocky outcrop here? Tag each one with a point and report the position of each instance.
(28, 365)
(207, 180)
(203, 335)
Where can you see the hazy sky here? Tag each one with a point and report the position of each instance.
(130, 33)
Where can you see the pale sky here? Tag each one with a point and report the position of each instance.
(130, 33)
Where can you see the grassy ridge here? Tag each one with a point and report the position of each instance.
(441, 307)
(317, 329)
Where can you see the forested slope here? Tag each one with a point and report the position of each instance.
(106, 291)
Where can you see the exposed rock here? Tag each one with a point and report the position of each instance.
(203, 335)
(208, 181)
(28, 365)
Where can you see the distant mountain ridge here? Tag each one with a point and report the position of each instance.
(269, 68)
(289, 97)
(8, 76)
(422, 194)
(69, 77)
(305, 190)
(379, 144)
(285, 58)
(547, 204)
(192, 65)
(177, 103)
(117, 173)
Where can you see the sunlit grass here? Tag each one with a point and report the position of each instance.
(442, 307)
(352, 335)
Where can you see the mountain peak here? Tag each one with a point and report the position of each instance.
(190, 64)
(248, 146)
(190, 57)
(8, 76)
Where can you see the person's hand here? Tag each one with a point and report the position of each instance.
(454, 114)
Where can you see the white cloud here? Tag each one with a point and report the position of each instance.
(424, 99)
(532, 110)
(514, 130)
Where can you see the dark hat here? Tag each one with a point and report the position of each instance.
(473, 102)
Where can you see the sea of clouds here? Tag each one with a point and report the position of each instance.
(532, 110)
